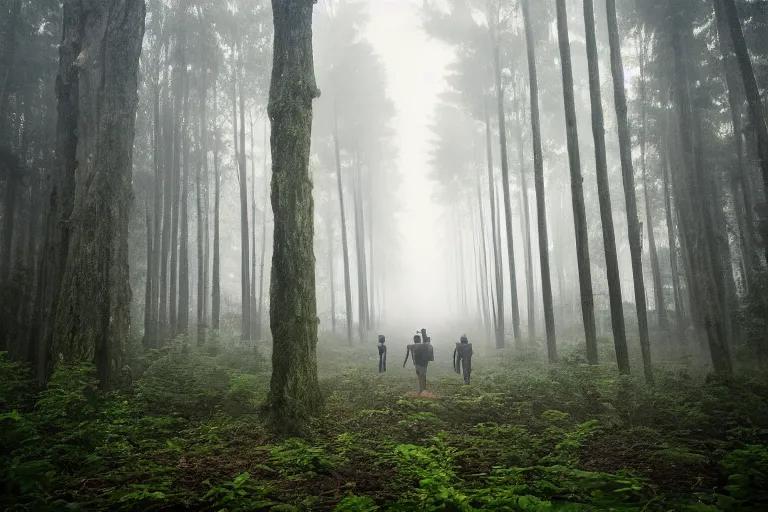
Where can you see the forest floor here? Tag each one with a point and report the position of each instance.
(187, 435)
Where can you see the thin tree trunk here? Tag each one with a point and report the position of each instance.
(658, 288)
(153, 339)
(260, 319)
(484, 269)
(254, 310)
(529, 280)
(244, 235)
(168, 129)
(176, 182)
(604, 193)
(216, 271)
(538, 173)
(498, 275)
(294, 393)
(9, 216)
(577, 187)
(505, 191)
(329, 231)
(148, 281)
(344, 242)
(202, 221)
(625, 146)
(183, 314)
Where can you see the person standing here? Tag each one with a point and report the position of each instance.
(420, 356)
(428, 341)
(382, 354)
(462, 358)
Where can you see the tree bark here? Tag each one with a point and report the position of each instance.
(8, 61)
(294, 393)
(164, 323)
(98, 70)
(604, 193)
(739, 184)
(628, 175)
(201, 232)
(538, 174)
(577, 187)
(152, 338)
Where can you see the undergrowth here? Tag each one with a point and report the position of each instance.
(186, 435)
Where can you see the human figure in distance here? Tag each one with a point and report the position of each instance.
(382, 354)
(420, 358)
(462, 358)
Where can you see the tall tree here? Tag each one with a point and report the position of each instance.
(538, 177)
(577, 187)
(244, 233)
(86, 305)
(216, 271)
(294, 393)
(343, 217)
(604, 193)
(628, 176)
(754, 103)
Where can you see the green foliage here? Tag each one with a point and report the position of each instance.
(747, 471)
(239, 494)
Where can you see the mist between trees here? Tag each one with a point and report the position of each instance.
(205, 171)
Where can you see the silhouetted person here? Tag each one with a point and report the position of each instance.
(462, 358)
(420, 353)
(382, 354)
(426, 339)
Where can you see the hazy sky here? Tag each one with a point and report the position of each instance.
(415, 68)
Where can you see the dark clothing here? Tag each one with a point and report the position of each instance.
(431, 351)
(382, 358)
(462, 360)
(420, 352)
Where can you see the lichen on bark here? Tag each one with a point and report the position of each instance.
(294, 394)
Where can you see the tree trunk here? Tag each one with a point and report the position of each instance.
(86, 268)
(254, 310)
(152, 340)
(707, 306)
(164, 331)
(216, 271)
(178, 96)
(484, 268)
(329, 231)
(9, 215)
(739, 184)
(8, 60)
(628, 175)
(182, 326)
(362, 292)
(577, 187)
(658, 288)
(498, 273)
(538, 174)
(201, 232)
(344, 242)
(505, 191)
(294, 393)
(245, 282)
(148, 281)
(260, 320)
(752, 91)
(604, 192)
(526, 219)
(677, 292)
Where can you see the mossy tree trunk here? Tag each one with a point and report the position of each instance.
(84, 273)
(294, 393)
